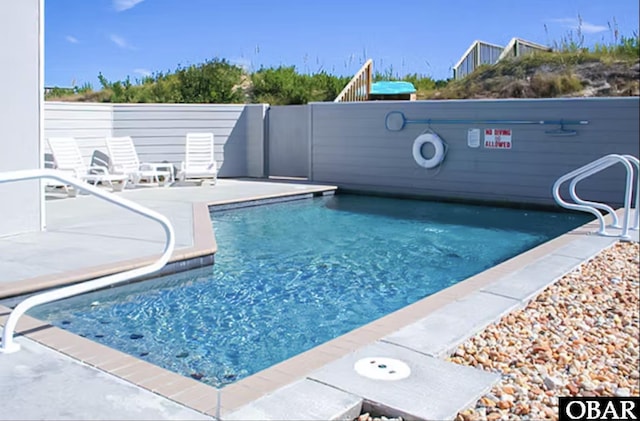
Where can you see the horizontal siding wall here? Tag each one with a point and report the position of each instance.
(159, 132)
(88, 123)
(352, 148)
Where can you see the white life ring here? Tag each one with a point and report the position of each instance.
(438, 145)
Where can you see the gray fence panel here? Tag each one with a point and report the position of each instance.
(288, 141)
(255, 139)
(352, 148)
(159, 132)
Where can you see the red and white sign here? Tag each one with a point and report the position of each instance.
(497, 138)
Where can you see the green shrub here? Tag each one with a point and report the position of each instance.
(280, 86)
(214, 81)
(285, 86)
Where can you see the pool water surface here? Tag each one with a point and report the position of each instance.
(290, 276)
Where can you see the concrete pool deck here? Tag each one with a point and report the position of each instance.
(87, 237)
(318, 384)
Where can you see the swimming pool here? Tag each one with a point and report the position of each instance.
(290, 276)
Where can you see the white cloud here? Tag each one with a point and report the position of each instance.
(584, 26)
(122, 5)
(589, 28)
(120, 42)
(71, 39)
(142, 72)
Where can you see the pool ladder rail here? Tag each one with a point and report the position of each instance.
(8, 345)
(628, 161)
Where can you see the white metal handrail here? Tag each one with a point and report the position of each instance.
(587, 171)
(592, 207)
(615, 223)
(636, 162)
(8, 345)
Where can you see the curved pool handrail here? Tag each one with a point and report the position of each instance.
(589, 170)
(572, 206)
(586, 206)
(636, 219)
(628, 193)
(8, 345)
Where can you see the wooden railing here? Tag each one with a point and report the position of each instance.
(358, 88)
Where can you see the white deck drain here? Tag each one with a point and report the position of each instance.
(380, 368)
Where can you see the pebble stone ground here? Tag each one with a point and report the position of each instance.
(579, 337)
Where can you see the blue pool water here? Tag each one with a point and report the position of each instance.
(293, 275)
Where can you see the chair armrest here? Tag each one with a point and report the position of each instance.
(98, 170)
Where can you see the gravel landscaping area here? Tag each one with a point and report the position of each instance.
(577, 338)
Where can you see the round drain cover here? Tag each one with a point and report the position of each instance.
(381, 368)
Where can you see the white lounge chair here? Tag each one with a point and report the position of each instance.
(124, 160)
(67, 157)
(200, 163)
(52, 185)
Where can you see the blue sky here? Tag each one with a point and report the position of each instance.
(137, 37)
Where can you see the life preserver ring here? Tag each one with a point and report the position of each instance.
(438, 145)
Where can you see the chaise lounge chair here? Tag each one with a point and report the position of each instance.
(67, 157)
(124, 160)
(52, 185)
(199, 163)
